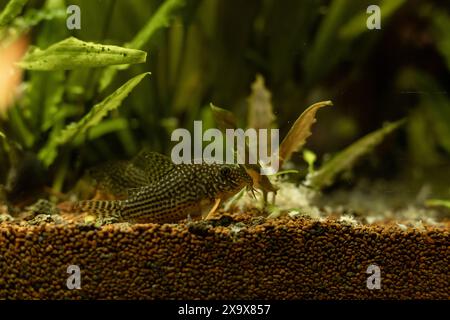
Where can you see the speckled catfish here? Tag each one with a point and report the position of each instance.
(163, 192)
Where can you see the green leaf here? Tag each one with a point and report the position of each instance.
(309, 157)
(5, 142)
(45, 91)
(105, 127)
(279, 173)
(160, 19)
(441, 22)
(318, 60)
(12, 10)
(435, 111)
(438, 203)
(33, 17)
(11, 149)
(345, 159)
(20, 128)
(72, 53)
(49, 152)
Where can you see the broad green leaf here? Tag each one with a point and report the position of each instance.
(434, 109)
(438, 203)
(5, 155)
(52, 92)
(20, 128)
(420, 140)
(105, 127)
(72, 53)
(12, 10)
(46, 90)
(11, 149)
(441, 23)
(300, 131)
(285, 41)
(345, 159)
(33, 17)
(318, 60)
(4, 141)
(159, 20)
(49, 152)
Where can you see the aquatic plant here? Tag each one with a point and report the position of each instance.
(296, 138)
(53, 116)
(196, 56)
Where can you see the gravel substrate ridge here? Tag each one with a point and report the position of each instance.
(228, 258)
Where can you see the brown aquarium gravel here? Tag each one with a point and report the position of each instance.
(232, 257)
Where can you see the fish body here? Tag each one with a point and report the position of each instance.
(172, 191)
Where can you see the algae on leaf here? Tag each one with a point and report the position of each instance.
(345, 159)
(72, 53)
(49, 152)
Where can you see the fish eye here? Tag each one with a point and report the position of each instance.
(225, 171)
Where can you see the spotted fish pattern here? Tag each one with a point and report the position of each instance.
(164, 192)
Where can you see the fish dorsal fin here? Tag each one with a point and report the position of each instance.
(117, 177)
(135, 176)
(132, 192)
(154, 165)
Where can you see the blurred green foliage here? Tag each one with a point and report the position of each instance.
(202, 51)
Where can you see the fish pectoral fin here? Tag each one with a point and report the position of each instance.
(213, 209)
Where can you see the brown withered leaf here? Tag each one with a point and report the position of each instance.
(300, 131)
(260, 181)
(260, 110)
(224, 118)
